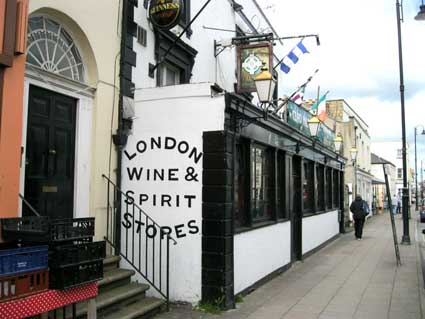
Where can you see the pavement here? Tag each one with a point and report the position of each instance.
(346, 279)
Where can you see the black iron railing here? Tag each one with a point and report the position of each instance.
(28, 205)
(136, 237)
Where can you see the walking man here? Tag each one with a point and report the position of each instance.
(394, 204)
(359, 210)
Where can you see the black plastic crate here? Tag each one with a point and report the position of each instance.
(75, 275)
(45, 230)
(66, 255)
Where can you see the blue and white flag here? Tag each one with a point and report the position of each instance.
(293, 56)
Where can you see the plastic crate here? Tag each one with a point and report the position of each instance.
(45, 230)
(75, 275)
(22, 285)
(15, 261)
(67, 255)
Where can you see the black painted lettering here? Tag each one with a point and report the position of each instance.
(165, 230)
(129, 197)
(172, 174)
(179, 231)
(130, 157)
(139, 225)
(193, 229)
(143, 198)
(148, 174)
(158, 174)
(141, 146)
(156, 143)
(154, 199)
(189, 199)
(177, 200)
(152, 233)
(170, 143)
(165, 199)
(134, 172)
(127, 222)
(194, 153)
(183, 147)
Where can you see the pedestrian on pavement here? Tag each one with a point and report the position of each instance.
(399, 204)
(357, 207)
(394, 203)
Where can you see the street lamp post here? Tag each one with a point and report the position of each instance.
(416, 166)
(353, 153)
(405, 200)
(422, 185)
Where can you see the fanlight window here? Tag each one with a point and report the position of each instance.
(51, 48)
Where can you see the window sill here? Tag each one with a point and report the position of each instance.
(258, 225)
(328, 210)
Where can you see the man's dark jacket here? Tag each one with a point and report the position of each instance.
(356, 208)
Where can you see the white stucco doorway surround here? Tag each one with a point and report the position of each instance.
(56, 63)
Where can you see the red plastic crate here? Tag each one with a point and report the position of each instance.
(21, 285)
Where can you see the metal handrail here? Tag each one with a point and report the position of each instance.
(32, 209)
(155, 265)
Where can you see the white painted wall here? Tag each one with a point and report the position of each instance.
(182, 112)
(259, 252)
(319, 228)
(207, 68)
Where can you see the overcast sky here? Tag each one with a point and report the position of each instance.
(358, 58)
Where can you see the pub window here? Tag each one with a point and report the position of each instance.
(308, 187)
(176, 67)
(335, 186)
(328, 187)
(320, 173)
(168, 75)
(262, 184)
(185, 16)
(280, 186)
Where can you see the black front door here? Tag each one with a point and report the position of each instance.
(297, 208)
(50, 149)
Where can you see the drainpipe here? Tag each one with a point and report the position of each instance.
(121, 136)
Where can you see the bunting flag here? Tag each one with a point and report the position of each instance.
(320, 107)
(293, 56)
(298, 97)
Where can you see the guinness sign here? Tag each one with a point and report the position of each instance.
(165, 14)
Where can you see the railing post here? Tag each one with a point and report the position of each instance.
(117, 235)
(168, 273)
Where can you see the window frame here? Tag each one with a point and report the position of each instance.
(267, 187)
(162, 74)
(308, 187)
(320, 188)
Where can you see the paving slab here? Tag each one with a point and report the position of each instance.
(347, 279)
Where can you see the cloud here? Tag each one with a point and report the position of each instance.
(358, 57)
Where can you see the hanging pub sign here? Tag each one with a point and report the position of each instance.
(165, 14)
(250, 61)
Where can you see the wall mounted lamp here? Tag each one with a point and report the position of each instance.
(421, 14)
(353, 153)
(313, 125)
(338, 143)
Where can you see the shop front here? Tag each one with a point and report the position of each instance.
(243, 196)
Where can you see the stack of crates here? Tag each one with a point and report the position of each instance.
(23, 272)
(73, 257)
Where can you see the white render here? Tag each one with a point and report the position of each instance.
(182, 112)
(259, 252)
(318, 229)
